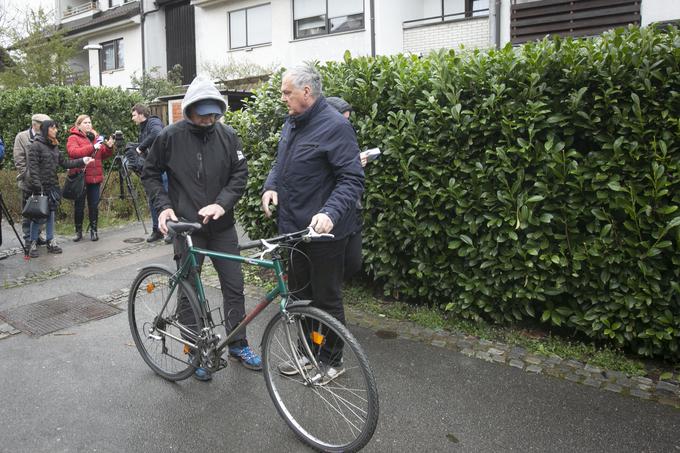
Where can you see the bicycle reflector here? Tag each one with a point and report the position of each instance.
(317, 338)
(150, 287)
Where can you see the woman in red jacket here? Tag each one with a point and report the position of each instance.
(82, 142)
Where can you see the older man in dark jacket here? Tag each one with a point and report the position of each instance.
(207, 175)
(315, 181)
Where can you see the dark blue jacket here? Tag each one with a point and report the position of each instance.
(148, 131)
(317, 170)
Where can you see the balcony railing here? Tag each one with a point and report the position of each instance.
(82, 8)
(446, 17)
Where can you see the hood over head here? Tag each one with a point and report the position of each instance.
(202, 89)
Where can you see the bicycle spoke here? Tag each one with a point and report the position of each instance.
(329, 397)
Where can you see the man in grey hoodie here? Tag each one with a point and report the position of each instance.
(207, 175)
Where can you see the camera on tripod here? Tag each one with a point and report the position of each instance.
(119, 141)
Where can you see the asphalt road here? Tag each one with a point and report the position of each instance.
(86, 388)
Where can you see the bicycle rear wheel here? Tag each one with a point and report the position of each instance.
(158, 328)
(320, 380)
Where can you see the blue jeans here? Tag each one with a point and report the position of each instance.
(36, 226)
(152, 210)
(91, 192)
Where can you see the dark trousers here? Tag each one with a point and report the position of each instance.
(229, 273)
(316, 274)
(91, 193)
(353, 255)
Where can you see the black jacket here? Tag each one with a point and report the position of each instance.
(148, 131)
(43, 159)
(204, 166)
(317, 170)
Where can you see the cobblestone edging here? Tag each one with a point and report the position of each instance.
(664, 392)
(54, 273)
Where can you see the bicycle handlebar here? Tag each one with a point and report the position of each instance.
(304, 235)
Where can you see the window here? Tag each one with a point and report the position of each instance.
(321, 17)
(112, 55)
(250, 26)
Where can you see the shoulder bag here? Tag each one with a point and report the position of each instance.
(74, 186)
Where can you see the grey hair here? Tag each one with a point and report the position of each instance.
(305, 75)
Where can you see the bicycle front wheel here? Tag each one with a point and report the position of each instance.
(163, 317)
(320, 380)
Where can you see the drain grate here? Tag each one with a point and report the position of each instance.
(58, 313)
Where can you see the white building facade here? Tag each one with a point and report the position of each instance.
(126, 37)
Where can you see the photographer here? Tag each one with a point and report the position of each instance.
(149, 128)
(83, 142)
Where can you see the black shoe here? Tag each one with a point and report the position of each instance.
(78, 236)
(154, 236)
(93, 235)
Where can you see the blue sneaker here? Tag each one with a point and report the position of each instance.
(201, 374)
(246, 356)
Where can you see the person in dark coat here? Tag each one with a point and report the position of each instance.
(84, 141)
(207, 175)
(354, 243)
(43, 158)
(149, 128)
(316, 180)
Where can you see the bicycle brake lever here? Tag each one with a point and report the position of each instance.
(267, 248)
(311, 233)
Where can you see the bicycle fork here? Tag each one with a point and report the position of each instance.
(291, 322)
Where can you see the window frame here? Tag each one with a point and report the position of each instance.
(327, 22)
(116, 50)
(247, 45)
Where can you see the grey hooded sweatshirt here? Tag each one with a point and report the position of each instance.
(205, 165)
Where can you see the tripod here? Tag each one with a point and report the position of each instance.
(123, 176)
(4, 211)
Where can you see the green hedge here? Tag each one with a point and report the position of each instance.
(109, 108)
(532, 182)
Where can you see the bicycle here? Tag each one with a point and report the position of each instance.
(316, 373)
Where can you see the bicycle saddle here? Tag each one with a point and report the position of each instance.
(182, 227)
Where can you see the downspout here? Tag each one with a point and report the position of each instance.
(498, 24)
(372, 20)
(141, 21)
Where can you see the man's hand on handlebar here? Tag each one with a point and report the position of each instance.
(270, 196)
(167, 214)
(321, 223)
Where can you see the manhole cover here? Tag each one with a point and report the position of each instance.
(133, 240)
(50, 315)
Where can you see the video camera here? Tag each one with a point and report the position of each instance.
(119, 141)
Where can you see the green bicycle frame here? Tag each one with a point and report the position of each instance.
(191, 263)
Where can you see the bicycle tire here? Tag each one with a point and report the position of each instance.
(166, 356)
(338, 416)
